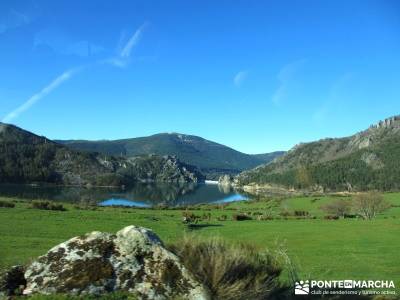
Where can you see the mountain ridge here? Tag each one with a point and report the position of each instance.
(210, 157)
(28, 158)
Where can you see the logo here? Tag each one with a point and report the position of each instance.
(344, 287)
(302, 288)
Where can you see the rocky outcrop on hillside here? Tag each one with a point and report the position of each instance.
(167, 168)
(133, 260)
(388, 123)
(366, 160)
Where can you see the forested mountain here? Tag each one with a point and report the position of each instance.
(268, 157)
(367, 160)
(28, 158)
(211, 158)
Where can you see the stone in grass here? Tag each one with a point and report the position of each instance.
(134, 260)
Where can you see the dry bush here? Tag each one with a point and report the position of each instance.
(189, 217)
(368, 205)
(339, 208)
(230, 271)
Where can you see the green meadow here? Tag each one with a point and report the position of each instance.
(320, 249)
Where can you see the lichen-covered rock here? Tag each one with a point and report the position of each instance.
(133, 260)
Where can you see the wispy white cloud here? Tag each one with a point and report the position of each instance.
(38, 96)
(124, 54)
(285, 78)
(240, 77)
(133, 41)
(121, 60)
(335, 94)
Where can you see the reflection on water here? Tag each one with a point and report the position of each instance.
(141, 194)
(123, 202)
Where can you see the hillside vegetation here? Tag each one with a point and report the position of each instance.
(28, 158)
(367, 160)
(211, 158)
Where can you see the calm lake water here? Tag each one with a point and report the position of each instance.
(141, 195)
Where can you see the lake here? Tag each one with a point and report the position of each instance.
(140, 194)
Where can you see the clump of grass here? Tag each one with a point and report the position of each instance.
(230, 271)
(7, 204)
(47, 205)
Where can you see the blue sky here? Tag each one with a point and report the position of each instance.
(257, 76)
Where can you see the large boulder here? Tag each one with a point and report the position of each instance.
(133, 260)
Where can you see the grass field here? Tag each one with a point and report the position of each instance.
(321, 249)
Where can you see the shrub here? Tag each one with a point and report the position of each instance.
(338, 208)
(230, 271)
(241, 217)
(301, 213)
(47, 205)
(264, 218)
(284, 213)
(7, 204)
(189, 217)
(222, 218)
(206, 217)
(368, 205)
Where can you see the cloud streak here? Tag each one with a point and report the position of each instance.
(285, 78)
(240, 77)
(133, 41)
(123, 57)
(121, 60)
(38, 96)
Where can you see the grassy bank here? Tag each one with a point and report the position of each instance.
(321, 249)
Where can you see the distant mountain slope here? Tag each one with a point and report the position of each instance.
(28, 158)
(367, 160)
(210, 157)
(268, 157)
